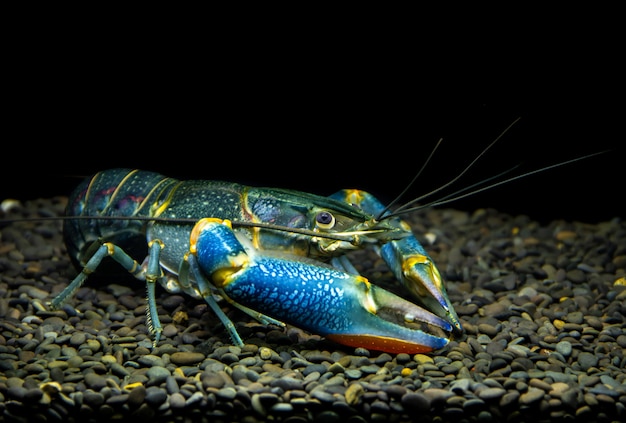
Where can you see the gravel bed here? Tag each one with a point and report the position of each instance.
(543, 306)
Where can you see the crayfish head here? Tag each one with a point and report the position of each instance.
(359, 235)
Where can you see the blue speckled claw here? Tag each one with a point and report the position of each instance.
(345, 308)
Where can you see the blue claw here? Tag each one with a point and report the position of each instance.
(342, 307)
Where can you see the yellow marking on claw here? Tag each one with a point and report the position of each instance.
(433, 272)
(354, 196)
(367, 300)
(224, 276)
(200, 226)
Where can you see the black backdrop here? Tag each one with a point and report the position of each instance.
(319, 108)
(350, 140)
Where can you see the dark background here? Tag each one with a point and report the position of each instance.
(321, 115)
(362, 142)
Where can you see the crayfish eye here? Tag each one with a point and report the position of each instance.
(325, 220)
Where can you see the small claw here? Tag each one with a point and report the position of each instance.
(422, 270)
(412, 265)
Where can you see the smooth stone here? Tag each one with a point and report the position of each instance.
(137, 395)
(95, 381)
(416, 401)
(177, 401)
(491, 393)
(155, 396)
(587, 360)
(531, 396)
(564, 348)
(157, 375)
(184, 358)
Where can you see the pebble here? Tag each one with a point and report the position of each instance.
(177, 401)
(491, 393)
(157, 375)
(186, 357)
(587, 360)
(543, 312)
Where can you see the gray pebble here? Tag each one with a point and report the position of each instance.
(587, 360)
(195, 398)
(288, 383)
(155, 396)
(491, 393)
(119, 370)
(177, 401)
(327, 416)
(509, 399)
(117, 401)
(226, 394)
(93, 399)
(78, 339)
(320, 368)
(157, 375)
(437, 395)
(416, 401)
(564, 348)
(150, 360)
(570, 398)
(95, 381)
(171, 385)
(323, 396)
(281, 408)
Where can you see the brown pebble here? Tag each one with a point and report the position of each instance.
(565, 235)
(533, 395)
(538, 383)
(354, 393)
(185, 358)
(137, 396)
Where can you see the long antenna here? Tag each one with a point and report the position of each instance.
(449, 199)
(456, 178)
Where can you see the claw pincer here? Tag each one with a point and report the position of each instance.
(342, 307)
